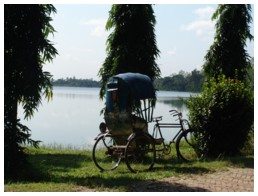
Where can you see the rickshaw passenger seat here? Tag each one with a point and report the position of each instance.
(156, 119)
(139, 123)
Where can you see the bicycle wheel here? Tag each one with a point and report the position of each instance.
(104, 155)
(140, 154)
(185, 146)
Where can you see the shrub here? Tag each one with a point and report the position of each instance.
(248, 148)
(222, 116)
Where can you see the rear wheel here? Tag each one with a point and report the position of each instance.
(104, 154)
(185, 146)
(140, 154)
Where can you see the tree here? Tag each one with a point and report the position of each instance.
(131, 47)
(26, 49)
(250, 73)
(227, 55)
(182, 81)
(222, 114)
(194, 81)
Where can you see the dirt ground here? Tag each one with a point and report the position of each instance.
(232, 180)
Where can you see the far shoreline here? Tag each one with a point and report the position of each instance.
(97, 87)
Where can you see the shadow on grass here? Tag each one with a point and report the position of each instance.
(40, 166)
(180, 167)
(235, 161)
(122, 181)
(52, 167)
(65, 161)
(245, 162)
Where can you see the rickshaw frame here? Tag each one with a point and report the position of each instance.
(137, 148)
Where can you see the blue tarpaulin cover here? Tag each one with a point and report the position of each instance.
(140, 85)
(134, 86)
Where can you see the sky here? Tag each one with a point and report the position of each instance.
(184, 33)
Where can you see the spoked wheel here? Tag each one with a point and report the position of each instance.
(104, 154)
(185, 146)
(140, 154)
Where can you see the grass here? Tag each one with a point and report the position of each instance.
(62, 169)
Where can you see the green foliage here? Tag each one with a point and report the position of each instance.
(248, 148)
(227, 55)
(26, 48)
(250, 74)
(222, 116)
(76, 82)
(16, 165)
(223, 113)
(131, 46)
(181, 82)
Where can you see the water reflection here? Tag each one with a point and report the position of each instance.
(74, 96)
(173, 100)
(73, 116)
(177, 103)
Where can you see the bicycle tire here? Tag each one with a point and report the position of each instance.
(185, 146)
(140, 154)
(103, 153)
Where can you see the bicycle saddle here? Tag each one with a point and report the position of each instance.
(158, 118)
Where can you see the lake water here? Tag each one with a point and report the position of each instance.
(72, 117)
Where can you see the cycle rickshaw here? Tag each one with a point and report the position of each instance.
(130, 100)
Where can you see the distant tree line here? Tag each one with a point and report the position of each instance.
(183, 81)
(76, 82)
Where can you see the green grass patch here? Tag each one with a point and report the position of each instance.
(60, 169)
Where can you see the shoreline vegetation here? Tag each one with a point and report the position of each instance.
(182, 81)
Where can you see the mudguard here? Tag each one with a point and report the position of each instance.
(101, 134)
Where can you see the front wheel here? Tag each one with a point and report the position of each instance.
(104, 153)
(140, 154)
(185, 146)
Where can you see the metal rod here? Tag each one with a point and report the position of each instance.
(176, 136)
(149, 108)
(171, 126)
(140, 112)
(152, 109)
(145, 109)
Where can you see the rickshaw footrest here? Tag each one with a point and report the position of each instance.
(120, 146)
(159, 140)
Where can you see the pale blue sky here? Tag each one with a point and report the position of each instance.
(183, 33)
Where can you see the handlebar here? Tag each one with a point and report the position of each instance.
(175, 113)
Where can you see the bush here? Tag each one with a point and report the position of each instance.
(248, 148)
(222, 116)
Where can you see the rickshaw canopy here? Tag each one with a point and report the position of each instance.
(139, 86)
(128, 95)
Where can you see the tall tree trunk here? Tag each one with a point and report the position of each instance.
(13, 155)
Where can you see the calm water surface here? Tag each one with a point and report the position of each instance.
(73, 116)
